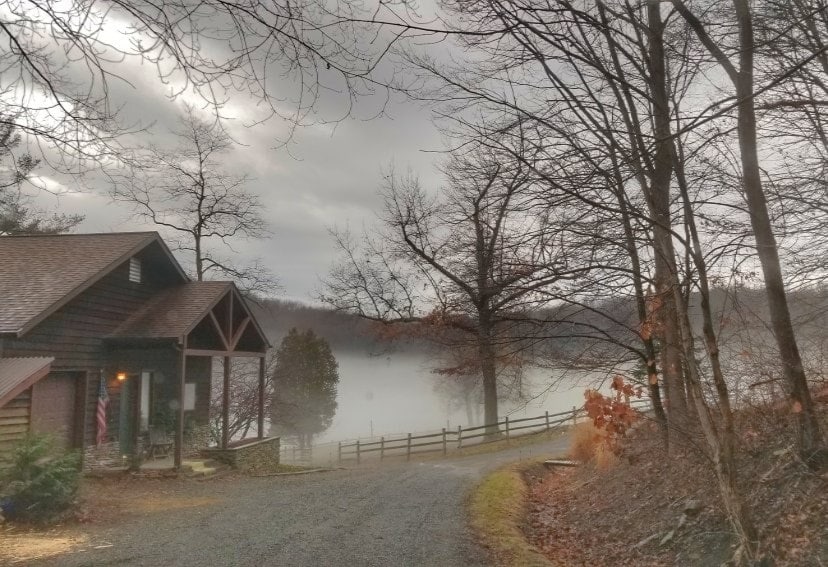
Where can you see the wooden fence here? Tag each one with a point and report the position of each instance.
(448, 439)
(442, 441)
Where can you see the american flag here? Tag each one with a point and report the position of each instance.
(103, 401)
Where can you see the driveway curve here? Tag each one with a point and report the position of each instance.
(400, 514)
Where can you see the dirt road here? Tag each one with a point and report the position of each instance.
(402, 514)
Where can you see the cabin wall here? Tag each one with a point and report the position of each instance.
(75, 333)
(15, 419)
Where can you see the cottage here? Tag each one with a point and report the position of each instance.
(113, 316)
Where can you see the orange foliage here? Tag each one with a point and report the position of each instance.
(613, 415)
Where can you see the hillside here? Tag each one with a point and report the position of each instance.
(650, 508)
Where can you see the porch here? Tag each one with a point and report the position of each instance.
(161, 371)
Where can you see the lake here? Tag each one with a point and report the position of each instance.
(395, 393)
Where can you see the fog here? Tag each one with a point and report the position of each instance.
(395, 393)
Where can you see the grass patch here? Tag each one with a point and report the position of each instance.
(23, 548)
(497, 507)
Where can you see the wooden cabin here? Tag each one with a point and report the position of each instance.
(81, 310)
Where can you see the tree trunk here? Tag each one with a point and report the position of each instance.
(488, 369)
(658, 201)
(809, 436)
(719, 433)
(653, 385)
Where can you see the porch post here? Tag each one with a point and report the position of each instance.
(261, 396)
(225, 405)
(179, 430)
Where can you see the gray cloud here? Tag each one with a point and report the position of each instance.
(328, 176)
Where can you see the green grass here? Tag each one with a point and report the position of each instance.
(497, 508)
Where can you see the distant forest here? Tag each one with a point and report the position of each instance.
(343, 331)
(563, 335)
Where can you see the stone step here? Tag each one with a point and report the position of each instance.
(203, 467)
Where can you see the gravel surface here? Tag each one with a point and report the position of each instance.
(400, 514)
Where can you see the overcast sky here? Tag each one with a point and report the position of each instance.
(329, 176)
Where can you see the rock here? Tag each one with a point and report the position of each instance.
(560, 463)
(646, 540)
(668, 537)
(692, 507)
(682, 521)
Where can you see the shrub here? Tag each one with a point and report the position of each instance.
(589, 444)
(586, 442)
(42, 482)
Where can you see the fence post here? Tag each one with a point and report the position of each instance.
(339, 453)
(547, 420)
(357, 447)
(408, 449)
(459, 436)
(445, 448)
(507, 429)
(382, 447)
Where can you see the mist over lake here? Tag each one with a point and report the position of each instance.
(395, 393)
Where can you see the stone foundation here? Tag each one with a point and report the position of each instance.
(195, 440)
(257, 456)
(106, 457)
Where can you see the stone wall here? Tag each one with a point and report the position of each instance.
(258, 456)
(105, 457)
(196, 439)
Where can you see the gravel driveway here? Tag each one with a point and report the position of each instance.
(402, 514)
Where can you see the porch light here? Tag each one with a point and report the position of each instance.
(121, 376)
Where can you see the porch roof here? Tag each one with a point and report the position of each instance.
(17, 374)
(177, 311)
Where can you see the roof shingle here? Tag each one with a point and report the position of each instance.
(37, 272)
(17, 374)
(173, 312)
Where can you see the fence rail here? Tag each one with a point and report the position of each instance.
(446, 439)
(443, 441)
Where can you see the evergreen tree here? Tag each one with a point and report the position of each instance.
(304, 384)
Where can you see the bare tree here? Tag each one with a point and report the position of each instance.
(594, 78)
(474, 259)
(187, 193)
(244, 398)
(740, 71)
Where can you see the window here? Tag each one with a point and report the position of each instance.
(135, 270)
(189, 396)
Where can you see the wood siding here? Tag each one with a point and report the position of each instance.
(14, 422)
(75, 334)
(53, 407)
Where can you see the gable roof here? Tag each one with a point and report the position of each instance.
(17, 374)
(41, 273)
(176, 311)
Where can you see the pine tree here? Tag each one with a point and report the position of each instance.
(304, 382)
